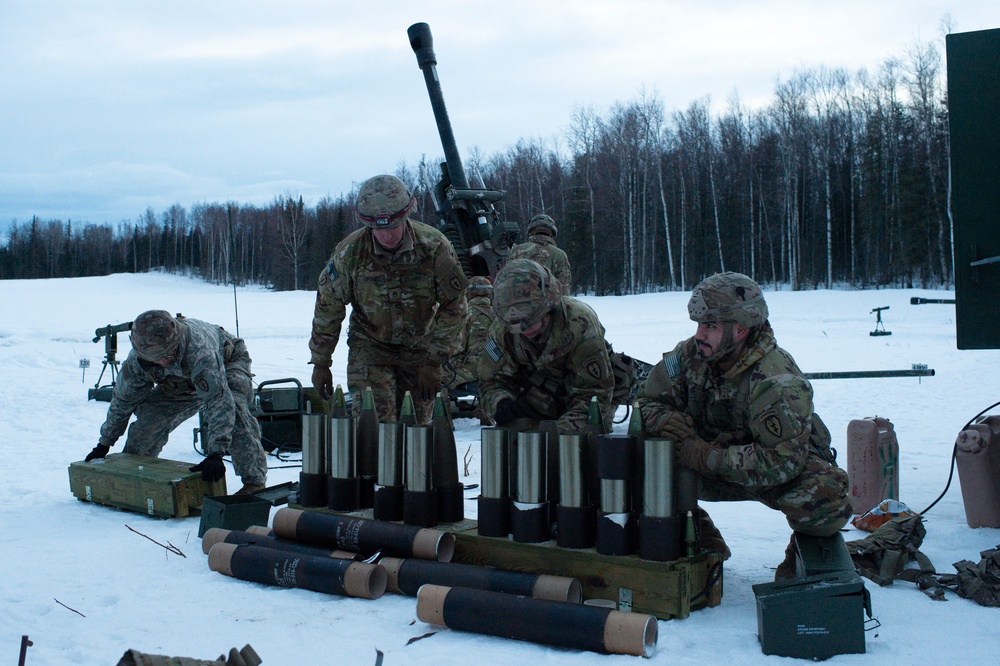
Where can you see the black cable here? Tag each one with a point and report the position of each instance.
(954, 456)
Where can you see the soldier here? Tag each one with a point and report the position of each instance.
(546, 356)
(176, 367)
(542, 249)
(463, 367)
(741, 414)
(407, 292)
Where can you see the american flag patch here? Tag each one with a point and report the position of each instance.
(671, 365)
(493, 349)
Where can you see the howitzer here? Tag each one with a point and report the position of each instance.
(465, 212)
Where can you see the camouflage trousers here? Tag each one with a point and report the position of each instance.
(389, 383)
(816, 502)
(163, 411)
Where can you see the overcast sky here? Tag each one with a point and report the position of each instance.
(107, 108)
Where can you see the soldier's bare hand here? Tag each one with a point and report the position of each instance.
(428, 381)
(322, 381)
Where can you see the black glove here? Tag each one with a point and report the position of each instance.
(428, 381)
(212, 468)
(99, 451)
(508, 410)
(322, 381)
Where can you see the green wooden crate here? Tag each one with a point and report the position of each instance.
(154, 486)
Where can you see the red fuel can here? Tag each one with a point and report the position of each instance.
(978, 459)
(872, 462)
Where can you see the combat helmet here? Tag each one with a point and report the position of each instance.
(728, 297)
(524, 292)
(480, 286)
(542, 224)
(384, 201)
(155, 335)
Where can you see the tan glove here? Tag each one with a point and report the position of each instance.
(322, 381)
(678, 427)
(697, 454)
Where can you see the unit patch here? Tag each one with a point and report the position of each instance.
(593, 367)
(772, 423)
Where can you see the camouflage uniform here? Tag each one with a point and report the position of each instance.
(542, 249)
(761, 438)
(464, 366)
(408, 308)
(211, 371)
(555, 374)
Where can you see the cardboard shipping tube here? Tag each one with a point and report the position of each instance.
(219, 535)
(362, 535)
(286, 569)
(542, 621)
(408, 576)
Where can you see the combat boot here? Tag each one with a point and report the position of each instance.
(249, 489)
(788, 569)
(711, 537)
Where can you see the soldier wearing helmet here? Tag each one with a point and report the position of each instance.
(741, 415)
(546, 356)
(177, 367)
(542, 249)
(406, 290)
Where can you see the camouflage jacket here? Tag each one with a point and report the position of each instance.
(556, 378)
(465, 364)
(205, 354)
(407, 306)
(542, 249)
(757, 417)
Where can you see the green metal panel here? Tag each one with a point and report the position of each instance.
(974, 101)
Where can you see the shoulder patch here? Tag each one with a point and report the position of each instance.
(332, 270)
(593, 366)
(671, 365)
(771, 422)
(493, 349)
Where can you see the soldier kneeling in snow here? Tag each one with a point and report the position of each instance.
(176, 367)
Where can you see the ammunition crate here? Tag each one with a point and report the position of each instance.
(153, 486)
(664, 590)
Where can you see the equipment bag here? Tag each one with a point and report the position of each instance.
(885, 553)
(980, 582)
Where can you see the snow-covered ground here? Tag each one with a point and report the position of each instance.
(84, 588)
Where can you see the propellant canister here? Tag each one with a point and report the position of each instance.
(615, 521)
(576, 514)
(315, 466)
(450, 491)
(530, 513)
(343, 492)
(494, 496)
(366, 436)
(420, 497)
(660, 528)
(362, 535)
(388, 500)
(310, 572)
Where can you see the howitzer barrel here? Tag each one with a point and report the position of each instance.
(423, 46)
(871, 374)
(916, 300)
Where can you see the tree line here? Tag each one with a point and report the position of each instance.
(840, 179)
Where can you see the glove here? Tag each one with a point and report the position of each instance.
(507, 410)
(99, 451)
(698, 455)
(322, 380)
(428, 381)
(212, 468)
(678, 427)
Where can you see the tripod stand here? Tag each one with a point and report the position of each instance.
(879, 326)
(110, 335)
